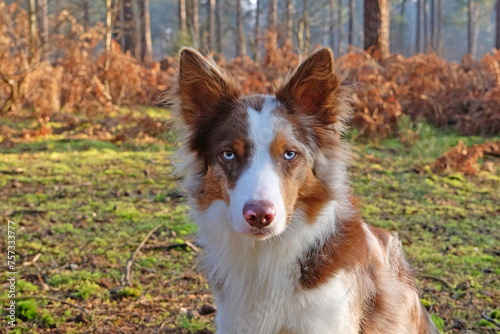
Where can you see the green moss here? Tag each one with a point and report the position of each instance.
(25, 286)
(87, 289)
(485, 323)
(438, 321)
(128, 292)
(65, 228)
(47, 319)
(191, 324)
(26, 310)
(425, 302)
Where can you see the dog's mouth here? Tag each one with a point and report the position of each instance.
(260, 233)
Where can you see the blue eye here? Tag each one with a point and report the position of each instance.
(228, 155)
(289, 155)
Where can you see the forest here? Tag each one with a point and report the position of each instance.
(99, 223)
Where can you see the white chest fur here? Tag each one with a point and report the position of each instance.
(256, 283)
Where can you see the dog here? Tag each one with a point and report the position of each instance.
(284, 247)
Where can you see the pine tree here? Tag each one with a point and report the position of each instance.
(377, 27)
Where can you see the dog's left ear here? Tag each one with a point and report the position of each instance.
(312, 87)
(202, 86)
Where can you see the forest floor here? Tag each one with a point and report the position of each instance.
(82, 207)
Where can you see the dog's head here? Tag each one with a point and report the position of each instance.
(268, 158)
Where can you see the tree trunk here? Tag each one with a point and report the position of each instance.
(195, 33)
(497, 43)
(43, 26)
(339, 22)
(109, 26)
(218, 20)
(271, 39)
(352, 6)
(426, 26)
(146, 42)
(118, 34)
(182, 18)
(475, 40)
(377, 27)
(470, 28)
(32, 29)
(401, 30)
(300, 35)
(86, 16)
(240, 32)
(129, 27)
(439, 24)
(326, 27)
(257, 31)
(109, 34)
(289, 19)
(419, 21)
(331, 23)
(57, 11)
(433, 24)
(307, 29)
(273, 16)
(436, 25)
(211, 24)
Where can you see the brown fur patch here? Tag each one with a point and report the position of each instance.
(382, 236)
(291, 172)
(374, 305)
(239, 146)
(381, 305)
(213, 188)
(347, 248)
(278, 146)
(313, 196)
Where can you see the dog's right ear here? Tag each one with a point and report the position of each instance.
(202, 86)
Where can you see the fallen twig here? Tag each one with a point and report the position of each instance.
(48, 298)
(127, 273)
(35, 258)
(12, 172)
(484, 316)
(10, 213)
(168, 246)
(438, 280)
(192, 246)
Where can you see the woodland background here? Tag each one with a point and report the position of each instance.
(104, 242)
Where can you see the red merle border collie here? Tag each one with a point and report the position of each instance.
(285, 249)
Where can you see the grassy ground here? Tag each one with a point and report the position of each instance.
(83, 206)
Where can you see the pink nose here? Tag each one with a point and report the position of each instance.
(259, 213)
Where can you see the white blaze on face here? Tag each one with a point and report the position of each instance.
(260, 180)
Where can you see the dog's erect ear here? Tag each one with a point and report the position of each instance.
(202, 85)
(312, 86)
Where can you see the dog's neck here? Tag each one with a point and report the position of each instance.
(230, 254)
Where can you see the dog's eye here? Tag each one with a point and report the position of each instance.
(228, 155)
(289, 155)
